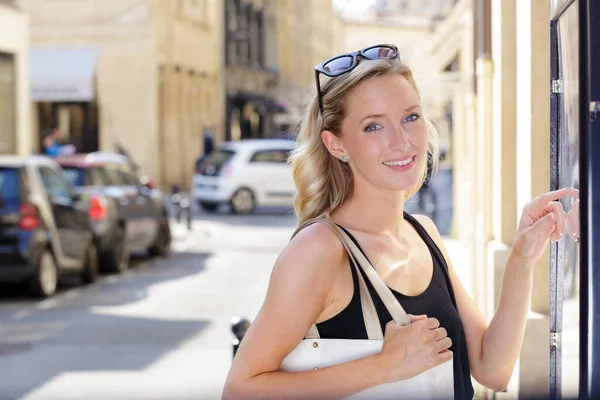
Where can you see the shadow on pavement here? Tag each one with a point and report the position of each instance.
(76, 335)
(263, 217)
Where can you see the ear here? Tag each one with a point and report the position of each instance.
(333, 144)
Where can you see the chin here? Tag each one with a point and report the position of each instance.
(401, 185)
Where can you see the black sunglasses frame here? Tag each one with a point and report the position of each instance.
(320, 69)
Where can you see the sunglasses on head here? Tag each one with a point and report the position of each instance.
(345, 63)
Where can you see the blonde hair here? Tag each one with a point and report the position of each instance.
(323, 182)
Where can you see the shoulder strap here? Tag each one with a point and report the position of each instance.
(387, 297)
(371, 319)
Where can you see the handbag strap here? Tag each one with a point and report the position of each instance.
(387, 297)
(371, 320)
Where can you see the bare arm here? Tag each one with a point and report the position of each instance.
(298, 293)
(494, 349)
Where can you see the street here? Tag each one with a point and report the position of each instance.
(159, 331)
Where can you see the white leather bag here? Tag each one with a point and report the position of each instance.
(314, 353)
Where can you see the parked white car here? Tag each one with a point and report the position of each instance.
(245, 174)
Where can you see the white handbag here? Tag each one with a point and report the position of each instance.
(314, 353)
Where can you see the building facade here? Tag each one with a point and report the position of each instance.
(410, 25)
(141, 77)
(490, 95)
(250, 69)
(501, 124)
(14, 90)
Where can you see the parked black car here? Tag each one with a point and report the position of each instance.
(45, 230)
(128, 214)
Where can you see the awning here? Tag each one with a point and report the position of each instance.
(63, 73)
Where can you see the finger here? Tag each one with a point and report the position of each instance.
(433, 323)
(442, 344)
(561, 218)
(415, 318)
(439, 333)
(575, 193)
(554, 195)
(542, 229)
(444, 356)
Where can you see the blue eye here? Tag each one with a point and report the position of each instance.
(412, 118)
(372, 127)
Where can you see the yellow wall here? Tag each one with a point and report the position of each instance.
(159, 74)
(14, 40)
(308, 33)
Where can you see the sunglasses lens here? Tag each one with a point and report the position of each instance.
(338, 65)
(380, 52)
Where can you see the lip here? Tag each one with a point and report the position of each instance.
(400, 159)
(401, 168)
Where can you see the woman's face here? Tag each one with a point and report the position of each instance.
(384, 133)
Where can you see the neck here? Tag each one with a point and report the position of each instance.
(373, 211)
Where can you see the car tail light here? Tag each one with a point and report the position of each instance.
(144, 180)
(97, 208)
(225, 170)
(29, 217)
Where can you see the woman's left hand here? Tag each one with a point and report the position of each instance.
(543, 219)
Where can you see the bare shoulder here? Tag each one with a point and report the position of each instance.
(316, 246)
(429, 226)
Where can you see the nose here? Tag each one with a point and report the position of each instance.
(399, 139)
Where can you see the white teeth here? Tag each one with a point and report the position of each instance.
(398, 163)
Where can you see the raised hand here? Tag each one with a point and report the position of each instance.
(543, 219)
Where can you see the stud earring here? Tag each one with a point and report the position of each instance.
(344, 158)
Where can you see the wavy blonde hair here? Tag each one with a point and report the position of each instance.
(323, 182)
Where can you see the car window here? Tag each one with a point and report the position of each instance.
(113, 175)
(130, 179)
(9, 185)
(55, 184)
(271, 156)
(75, 176)
(212, 163)
(96, 176)
(128, 175)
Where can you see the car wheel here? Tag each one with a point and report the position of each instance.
(209, 207)
(243, 201)
(162, 244)
(117, 258)
(90, 270)
(45, 280)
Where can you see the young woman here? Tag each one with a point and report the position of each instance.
(364, 146)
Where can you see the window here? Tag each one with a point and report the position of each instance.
(9, 185)
(271, 156)
(55, 184)
(212, 164)
(112, 175)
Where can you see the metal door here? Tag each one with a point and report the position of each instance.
(575, 133)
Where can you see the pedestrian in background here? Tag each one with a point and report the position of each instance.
(51, 143)
(363, 149)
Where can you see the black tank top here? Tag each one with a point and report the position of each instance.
(436, 301)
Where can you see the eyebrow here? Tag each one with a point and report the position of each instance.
(411, 108)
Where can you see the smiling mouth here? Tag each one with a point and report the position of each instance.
(399, 163)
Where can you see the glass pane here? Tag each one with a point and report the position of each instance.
(9, 186)
(75, 176)
(568, 51)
